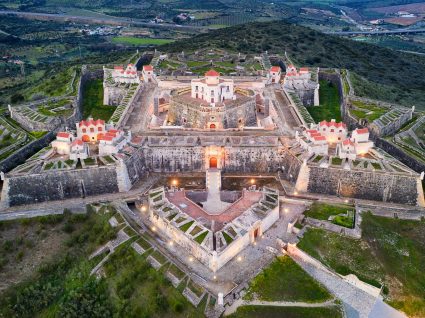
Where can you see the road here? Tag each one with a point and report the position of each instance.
(101, 20)
(388, 32)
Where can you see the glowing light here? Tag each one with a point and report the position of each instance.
(175, 182)
(143, 208)
(295, 192)
(252, 181)
(346, 201)
(153, 228)
(171, 243)
(286, 210)
(215, 277)
(255, 243)
(191, 259)
(239, 259)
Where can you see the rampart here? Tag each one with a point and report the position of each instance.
(367, 185)
(58, 185)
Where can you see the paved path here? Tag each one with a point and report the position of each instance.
(214, 205)
(240, 302)
(357, 302)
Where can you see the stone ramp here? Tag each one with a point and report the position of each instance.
(214, 205)
(357, 302)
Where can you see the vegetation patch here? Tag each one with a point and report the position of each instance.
(186, 226)
(391, 251)
(201, 237)
(227, 238)
(93, 101)
(139, 41)
(323, 211)
(287, 312)
(329, 107)
(285, 280)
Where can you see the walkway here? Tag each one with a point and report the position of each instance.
(358, 303)
(214, 205)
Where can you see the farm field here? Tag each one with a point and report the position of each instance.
(139, 41)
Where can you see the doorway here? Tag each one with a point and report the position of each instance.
(213, 162)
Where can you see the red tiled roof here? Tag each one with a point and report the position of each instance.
(91, 122)
(362, 131)
(77, 142)
(212, 73)
(275, 69)
(106, 137)
(311, 130)
(63, 134)
(331, 123)
(118, 67)
(319, 138)
(304, 69)
(147, 67)
(347, 142)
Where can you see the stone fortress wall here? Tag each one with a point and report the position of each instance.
(58, 185)
(367, 185)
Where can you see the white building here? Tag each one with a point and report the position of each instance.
(147, 73)
(333, 131)
(212, 88)
(113, 141)
(313, 141)
(300, 82)
(358, 144)
(62, 143)
(90, 130)
(67, 144)
(275, 74)
(126, 76)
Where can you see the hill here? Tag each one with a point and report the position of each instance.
(378, 72)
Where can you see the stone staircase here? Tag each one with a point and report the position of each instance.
(213, 180)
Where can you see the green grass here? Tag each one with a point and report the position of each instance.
(201, 237)
(329, 107)
(139, 41)
(285, 280)
(93, 101)
(286, 312)
(62, 285)
(186, 226)
(173, 269)
(159, 257)
(227, 238)
(391, 250)
(322, 211)
(336, 161)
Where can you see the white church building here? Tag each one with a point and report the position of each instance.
(212, 88)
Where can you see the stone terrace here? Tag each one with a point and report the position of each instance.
(186, 205)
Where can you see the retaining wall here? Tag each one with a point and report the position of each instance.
(367, 185)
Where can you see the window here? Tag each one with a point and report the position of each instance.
(332, 130)
(212, 93)
(196, 88)
(99, 128)
(84, 130)
(339, 138)
(340, 130)
(92, 129)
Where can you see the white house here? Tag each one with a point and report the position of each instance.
(90, 130)
(346, 149)
(212, 88)
(333, 131)
(79, 150)
(360, 137)
(126, 76)
(62, 143)
(148, 73)
(275, 74)
(313, 142)
(113, 141)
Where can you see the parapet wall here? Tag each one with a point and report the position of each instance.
(59, 185)
(367, 185)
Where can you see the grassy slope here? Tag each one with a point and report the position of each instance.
(93, 101)
(329, 103)
(285, 280)
(390, 75)
(390, 251)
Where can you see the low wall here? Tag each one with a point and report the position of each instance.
(59, 185)
(25, 152)
(367, 185)
(400, 155)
